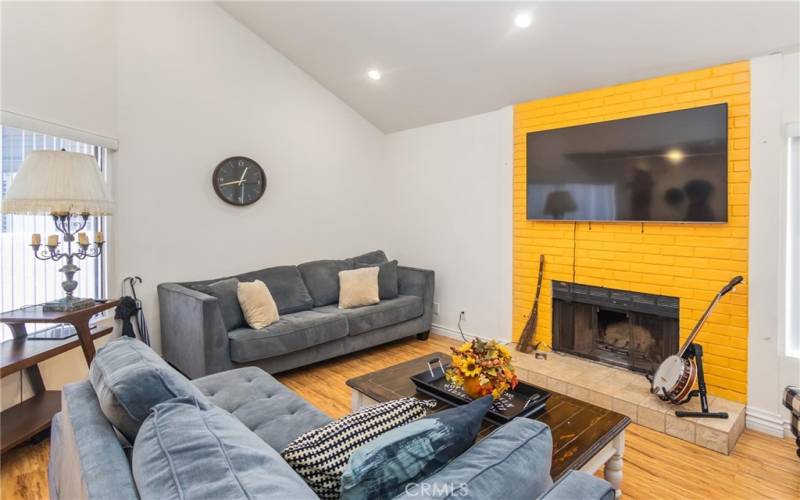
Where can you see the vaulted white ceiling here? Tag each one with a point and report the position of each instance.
(446, 60)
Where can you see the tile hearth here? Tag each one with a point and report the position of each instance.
(628, 393)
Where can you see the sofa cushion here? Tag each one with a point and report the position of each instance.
(129, 379)
(384, 313)
(265, 406)
(358, 287)
(322, 279)
(319, 456)
(387, 277)
(225, 293)
(292, 332)
(374, 258)
(187, 449)
(382, 468)
(286, 286)
(257, 304)
(512, 463)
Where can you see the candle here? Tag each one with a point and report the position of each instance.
(98, 237)
(52, 240)
(36, 239)
(83, 240)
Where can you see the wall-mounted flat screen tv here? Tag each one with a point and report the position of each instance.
(667, 167)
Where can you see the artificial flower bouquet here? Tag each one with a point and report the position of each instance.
(481, 368)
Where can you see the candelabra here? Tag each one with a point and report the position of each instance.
(64, 224)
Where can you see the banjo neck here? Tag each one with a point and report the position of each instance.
(696, 330)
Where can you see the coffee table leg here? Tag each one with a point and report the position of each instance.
(613, 468)
(359, 400)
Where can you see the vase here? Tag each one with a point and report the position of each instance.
(472, 386)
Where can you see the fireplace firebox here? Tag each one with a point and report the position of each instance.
(628, 329)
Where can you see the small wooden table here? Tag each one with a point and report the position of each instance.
(585, 437)
(25, 420)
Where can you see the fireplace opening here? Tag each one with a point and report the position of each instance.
(633, 330)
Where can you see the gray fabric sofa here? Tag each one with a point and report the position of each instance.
(88, 460)
(203, 330)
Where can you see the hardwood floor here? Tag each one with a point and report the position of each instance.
(656, 465)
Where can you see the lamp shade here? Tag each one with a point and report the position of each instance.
(558, 203)
(58, 182)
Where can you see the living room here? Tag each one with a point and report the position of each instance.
(297, 210)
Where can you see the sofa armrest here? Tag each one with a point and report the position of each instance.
(579, 484)
(87, 460)
(419, 282)
(193, 334)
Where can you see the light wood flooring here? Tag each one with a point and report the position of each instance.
(656, 466)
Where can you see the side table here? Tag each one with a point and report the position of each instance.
(25, 420)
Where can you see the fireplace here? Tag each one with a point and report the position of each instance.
(628, 329)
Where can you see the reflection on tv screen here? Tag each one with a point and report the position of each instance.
(664, 167)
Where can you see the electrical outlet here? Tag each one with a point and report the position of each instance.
(462, 316)
(435, 308)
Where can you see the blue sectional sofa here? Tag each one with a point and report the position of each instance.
(254, 415)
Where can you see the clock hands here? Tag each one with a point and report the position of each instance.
(235, 182)
(239, 182)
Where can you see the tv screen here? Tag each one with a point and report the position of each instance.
(670, 167)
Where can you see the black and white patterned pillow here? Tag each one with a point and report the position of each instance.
(319, 455)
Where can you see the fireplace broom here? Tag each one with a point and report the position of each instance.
(524, 344)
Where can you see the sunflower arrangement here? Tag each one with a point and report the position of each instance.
(482, 368)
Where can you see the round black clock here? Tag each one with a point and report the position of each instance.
(239, 181)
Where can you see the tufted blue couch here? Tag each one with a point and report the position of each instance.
(89, 460)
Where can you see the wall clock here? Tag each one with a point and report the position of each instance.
(239, 181)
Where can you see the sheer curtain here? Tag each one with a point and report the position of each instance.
(26, 280)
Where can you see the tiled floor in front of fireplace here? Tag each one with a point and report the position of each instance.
(628, 393)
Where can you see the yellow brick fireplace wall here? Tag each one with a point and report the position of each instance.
(689, 261)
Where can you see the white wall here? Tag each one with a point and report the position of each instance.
(183, 86)
(451, 188)
(186, 101)
(774, 102)
(57, 63)
(57, 66)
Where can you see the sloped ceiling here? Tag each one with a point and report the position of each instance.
(446, 60)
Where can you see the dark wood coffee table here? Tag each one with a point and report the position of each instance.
(585, 436)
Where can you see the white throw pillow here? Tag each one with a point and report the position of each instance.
(358, 287)
(257, 304)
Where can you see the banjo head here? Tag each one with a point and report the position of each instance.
(668, 374)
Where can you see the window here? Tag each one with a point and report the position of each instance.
(793, 247)
(26, 280)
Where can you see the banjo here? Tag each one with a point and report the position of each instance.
(675, 377)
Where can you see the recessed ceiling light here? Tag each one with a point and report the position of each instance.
(523, 19)
(374, 74)
(675, 155)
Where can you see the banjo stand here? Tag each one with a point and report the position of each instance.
(696, 351)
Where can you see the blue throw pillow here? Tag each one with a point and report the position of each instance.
(129, 379)
(381, 469)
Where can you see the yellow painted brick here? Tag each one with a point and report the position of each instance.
(741, 77)
(743, 66)
(678, 88)
(739, 88)
(715, 82)
(741, 110)
(695, 259)
(693, 75)
(693, 96)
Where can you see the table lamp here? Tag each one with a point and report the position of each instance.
(70, 188)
